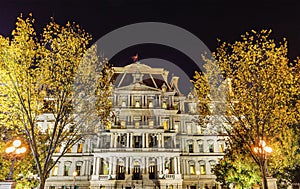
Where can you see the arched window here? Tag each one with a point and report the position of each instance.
(190, 146)
(78, 167)
(210, 145)
(202, 167)
(212, 164)
(67, 166)
(201, 145)
(192, 167)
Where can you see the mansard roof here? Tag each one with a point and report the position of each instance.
(148, 78)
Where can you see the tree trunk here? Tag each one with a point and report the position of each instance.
(42, 182)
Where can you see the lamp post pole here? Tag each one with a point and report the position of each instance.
(74, 179)
(263, 150)
(198, 174)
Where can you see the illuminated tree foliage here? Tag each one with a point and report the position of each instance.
(260, 102)
(41, 79)
(237, 168)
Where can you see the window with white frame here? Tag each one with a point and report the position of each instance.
(211, 146)
(212, 164)
(192, 167)
(201, 146)
(202, 167)
(78, 167)
(67, 166)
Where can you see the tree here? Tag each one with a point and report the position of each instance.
(40, 80)
(261, 89)
(237, 168)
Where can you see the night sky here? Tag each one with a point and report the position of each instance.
(209, 20)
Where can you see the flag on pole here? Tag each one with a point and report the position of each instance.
(135, 58)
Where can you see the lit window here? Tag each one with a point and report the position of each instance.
(202, 167)
(137, 104)
(176, 125)
(55, 170)
(123, 124)
(79, 148)
(166, 124)
(150, 104)
(221, 147)
(164, 105)
(123, 103)
(78, 167)
(192, 167)
(57, 150)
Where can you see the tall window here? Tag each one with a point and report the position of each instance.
(79, 148)
(67, 168)
(55, 170)
(78, 167)
(221, 145)
(211, 145)
(190, 146)
(202, 167)
(201, 146)
(192, 167)
(164, 105)
(165, 124)
(212, 165)
(150, 104)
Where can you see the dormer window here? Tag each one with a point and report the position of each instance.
(164, 88)
(150, 104)
(164, 105)
(123, 103)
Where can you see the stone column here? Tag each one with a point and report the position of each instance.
(175, 165)
(158, 140)
(111, 140)
(174, 142)
(114, 165)
(94, 166)
(161, 165)
(115, 137)
(98, 166)
(178, 165)
(127, 140)
(147, 140)
(147, 165)
(162, 141)
(110, 166)
(131, 140)
(127, 165)
(143, 140)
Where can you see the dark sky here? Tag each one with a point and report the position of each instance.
(207, 19)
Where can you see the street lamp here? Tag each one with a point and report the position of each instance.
(198, 174)
(263, 150)
(74, 178)
(13, 151)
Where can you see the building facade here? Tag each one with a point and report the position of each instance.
(155, 139)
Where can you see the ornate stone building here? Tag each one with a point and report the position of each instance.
(154, 141)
